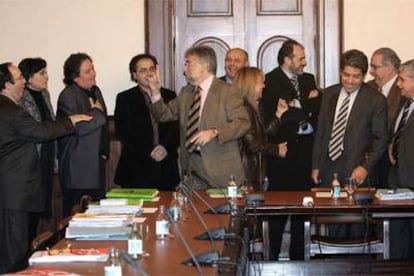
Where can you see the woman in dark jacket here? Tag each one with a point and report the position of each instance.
(36, 101)
(250, 82)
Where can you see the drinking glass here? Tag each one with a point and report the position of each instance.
(350, 187)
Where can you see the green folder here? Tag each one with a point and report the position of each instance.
(137, 193)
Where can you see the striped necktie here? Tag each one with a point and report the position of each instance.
(193, 119)
(396, 138)
(336, 142)
(295, 84)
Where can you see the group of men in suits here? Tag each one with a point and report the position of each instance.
(320, 128)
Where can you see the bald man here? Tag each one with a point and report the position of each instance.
(236, 58)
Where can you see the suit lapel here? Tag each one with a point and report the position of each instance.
(210, 101)
(393, 102)
(287, 91)
(359, 103)
(332, 107)
(187, 94)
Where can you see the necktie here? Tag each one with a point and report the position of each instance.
(335, 147)
(396, 138)
(193, 119)
(295, 84)
(154, 123)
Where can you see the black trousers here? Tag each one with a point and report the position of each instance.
(402, 239)
(276, 229)
(14, 240)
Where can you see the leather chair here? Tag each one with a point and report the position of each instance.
(319, 244)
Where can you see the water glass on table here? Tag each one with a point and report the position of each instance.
(350, 187)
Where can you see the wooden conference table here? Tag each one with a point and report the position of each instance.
(290, 203)
(164, 257)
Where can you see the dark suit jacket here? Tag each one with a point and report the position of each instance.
(394, 102)
(80, 163)
(292, 172)
(365, 137)
(402, 174)
(134, 129)
(223, 109)
(20, 179)
(278, 86)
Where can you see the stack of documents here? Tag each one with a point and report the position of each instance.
(71, 255)
(394, 194)
(99, 226)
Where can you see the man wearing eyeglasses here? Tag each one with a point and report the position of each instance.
(149, 149)
(384, 68)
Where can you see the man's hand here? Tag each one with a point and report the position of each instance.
(154, 82)
(282, 147)
(159, 153)
(76, 118)
(204, 136)
(282, 107)
(359, 174)
(96, 104)
(313, 94)
(315, 176)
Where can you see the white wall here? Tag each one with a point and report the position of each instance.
(371, 24)
(110, 31)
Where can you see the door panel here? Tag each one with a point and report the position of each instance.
(258, 26)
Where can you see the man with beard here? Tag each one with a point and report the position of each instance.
(291, 172)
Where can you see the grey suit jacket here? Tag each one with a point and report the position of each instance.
(80, 163)
(394, 102)
(223, 110)
(402, 174)
(365, 137)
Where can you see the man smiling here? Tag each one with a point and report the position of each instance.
(352, 128)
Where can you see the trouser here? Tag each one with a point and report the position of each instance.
(276, 228)
(14, 240)
(402, 239)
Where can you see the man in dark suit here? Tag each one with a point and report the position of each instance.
(82, 156)
(212, 119)
(352, 128)
(21, 190)
(236, 58)
(401, 154)
(290, 83)
(149, 149)
(384, 67)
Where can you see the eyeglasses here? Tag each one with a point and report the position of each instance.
(375, 67)
(146, 70)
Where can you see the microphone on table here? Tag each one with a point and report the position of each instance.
(226, 208)
(204, 259)
(194, 259)
(132, 262)
(218, 233)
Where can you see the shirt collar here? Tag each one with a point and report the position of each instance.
(387, 86)
(205, 84)
(288, 74)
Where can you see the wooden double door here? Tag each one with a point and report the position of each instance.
(258, 26)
